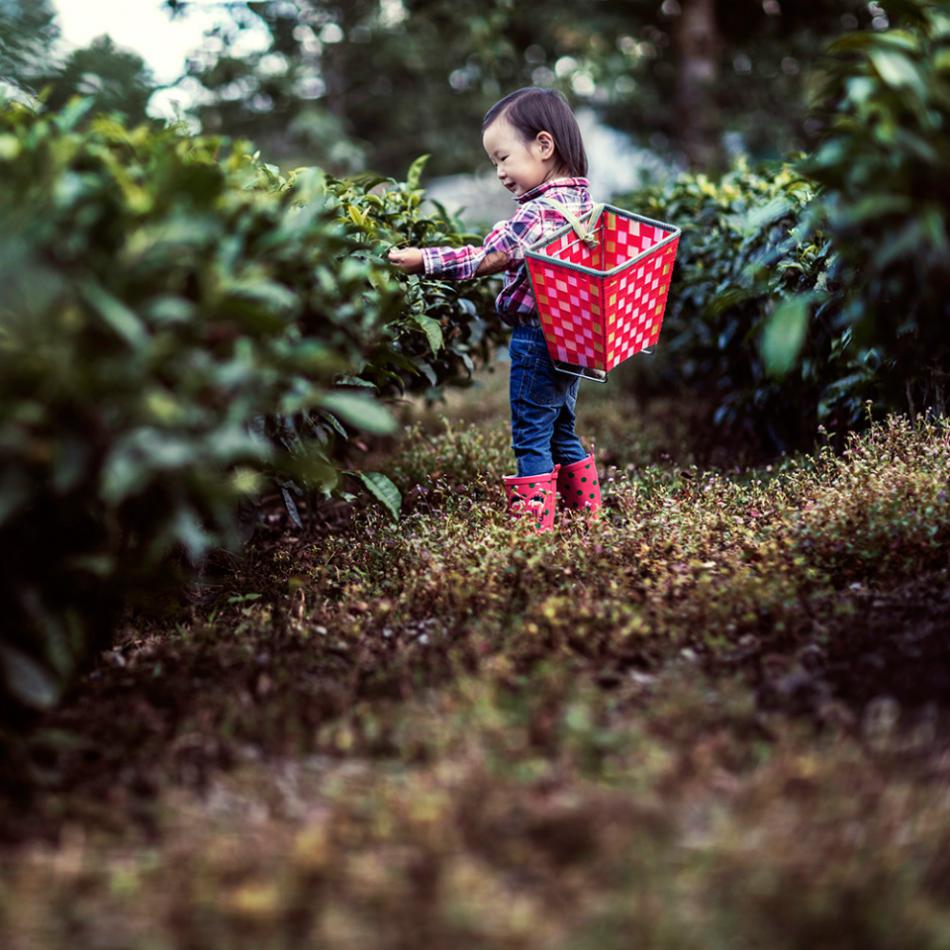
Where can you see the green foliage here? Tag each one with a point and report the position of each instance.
(178, 321)
(444, 328)
(886, 196)
(802, 291)
(752, 264)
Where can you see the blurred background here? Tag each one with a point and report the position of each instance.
(371, 84)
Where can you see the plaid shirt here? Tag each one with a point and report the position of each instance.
(530, 223)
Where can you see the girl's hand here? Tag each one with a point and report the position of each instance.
(408, 259)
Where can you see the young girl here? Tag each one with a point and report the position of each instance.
(532, 139)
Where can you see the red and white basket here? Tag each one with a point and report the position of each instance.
(601, 289)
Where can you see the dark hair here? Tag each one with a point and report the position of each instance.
(531, 110)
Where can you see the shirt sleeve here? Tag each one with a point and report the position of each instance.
(461, 263)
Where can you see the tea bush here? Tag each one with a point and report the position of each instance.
(805, 289)
(882, 168)
(456, 319)
(751, 251)
(167, 303)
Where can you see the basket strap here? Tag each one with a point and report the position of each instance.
(586, 232)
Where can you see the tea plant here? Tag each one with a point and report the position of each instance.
(882, 168)
(750, 254)
(178, 322)
(803, 290)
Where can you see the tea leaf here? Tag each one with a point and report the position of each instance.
(784, 335)
(383, 489)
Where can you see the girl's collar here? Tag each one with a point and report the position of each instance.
(553, 183)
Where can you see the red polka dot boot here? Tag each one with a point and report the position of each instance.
(533, 496)
(578, 486)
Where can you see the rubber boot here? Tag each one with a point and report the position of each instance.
(533, 496)
(578, 486)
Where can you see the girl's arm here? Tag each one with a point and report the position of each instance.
(410, 259)
(501, 247)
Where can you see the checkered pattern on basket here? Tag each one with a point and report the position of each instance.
(571, 309)
(636, 300)
(597, 321)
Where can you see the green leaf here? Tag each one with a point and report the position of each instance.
(73, 113)
(905, 243)
(384, 491)
(357, 216)
(361, 411)
(764, 215)
(851, 42)
(347, 380)
(368, 180)
(291, 506)
(896, 70)
(433, 332)
(933, 227)
(115, 313)
(727, 299)
(27, 680)
(414, 175)
(875, 205)
(251, 294)
(426, 370)
(784, 334)
(309, 183)
(334, 423)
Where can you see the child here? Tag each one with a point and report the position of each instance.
(532, 138)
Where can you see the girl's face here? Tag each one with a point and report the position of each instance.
(521, 166)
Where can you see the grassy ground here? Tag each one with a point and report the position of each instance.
(718, 718)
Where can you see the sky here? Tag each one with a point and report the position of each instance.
(145, 28)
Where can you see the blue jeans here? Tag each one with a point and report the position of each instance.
(542, 405)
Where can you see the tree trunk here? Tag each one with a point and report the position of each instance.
(697, 42)
(333, 72)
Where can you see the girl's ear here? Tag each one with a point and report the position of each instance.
(545, 143)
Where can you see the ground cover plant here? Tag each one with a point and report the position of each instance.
(717, 714)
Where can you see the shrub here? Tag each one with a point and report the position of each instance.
(750, 249)
(882, 168)
(443, 327)
(166, 301)
(805, 289)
